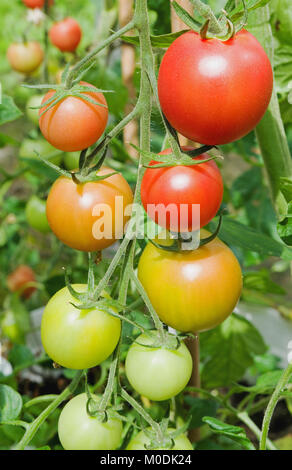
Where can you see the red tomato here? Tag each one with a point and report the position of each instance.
(198, 184)
(73, 123)
(71, 211)
(66, 35)
(215, 92)
(25, 57)
(36, 3)
(19, 278)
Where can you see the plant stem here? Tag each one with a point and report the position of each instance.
(272, 405)
(46, 41)
(34, 426)
(243, 416)
(206, 12)
(90, 58)
(270, 131)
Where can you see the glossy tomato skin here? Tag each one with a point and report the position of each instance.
(74, 338)
(158, 373)
(215, 92)
(70, 210)
(17, 280)
(198, 184)
(36, 3)
(73, 123)
(66, 35)
(79, 431)
(35, 212)
(25, 57)
(141, 440)
(192, 290)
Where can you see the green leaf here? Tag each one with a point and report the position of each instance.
(234, 433)
(7, 140)
(8, 110)
(265, 383)
(283, 67)
(284, 227)
(239, 235)
(186, 17)
(262, 282)
(20, 354)
(199, 408)
(161, 41)
(238, 11)
(228, 350)
(10, 403)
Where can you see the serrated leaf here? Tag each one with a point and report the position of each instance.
(186, 17)
(8, 110)
(235, 433)
(161, 41)
(10, 403)
(239, 235)
(228, 351)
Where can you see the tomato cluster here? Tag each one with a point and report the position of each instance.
(212, 92)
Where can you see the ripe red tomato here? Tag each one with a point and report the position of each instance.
(25, 57)
(36, 3)
(192, 290)
(19, 278)
(71, 215)
(198, 184)
(73, 123)
(215, 92)
(66, 35)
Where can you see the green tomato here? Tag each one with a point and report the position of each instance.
(79, 431)
(11, 329)
(33, 114)
(158, 373)
(74, 338)
(47, 151)
(71, 160)
(140, 441)
(35, 212)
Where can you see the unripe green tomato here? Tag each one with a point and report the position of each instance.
(35, 212)
(74, 338)
(33, 114)
(10, 328)
(41, 146)
(79, 431)
(158, 373)
(140, 441)
(71, 160)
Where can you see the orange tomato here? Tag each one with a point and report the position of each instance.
(73, 123)
(73, 211)
(192, 290)
(25, 57)
(19, 279)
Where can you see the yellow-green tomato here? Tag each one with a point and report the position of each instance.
(35, 212)
(30, 149)
(140, 441)
(74, 338)
(33, 114)
(191, 290)
(79, 431)
(158, 373)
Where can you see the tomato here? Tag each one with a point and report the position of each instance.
(29, 147)
(66, 35)
(215, 92)
(25, 57)
(36, 3)
(73, 123)
(158, 373)
(141, 440)
(74, 338)
(21, 277)
(71, 160)
(192, 290)
(89, 209)
(79, 431)
(33, 102)
(35, 212)
(198, 184)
